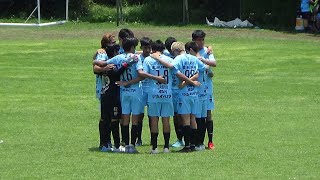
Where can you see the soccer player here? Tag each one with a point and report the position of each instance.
(201, 112)
(185, 67)
(207, 58)
(124, 33)
(168, 42)
(101, 55)
(131, 94)
(188, 95)
(176, 117)
(145, 46)
(159, 96)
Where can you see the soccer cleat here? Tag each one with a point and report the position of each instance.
(139, 143)
(192, 148)
(122, 148)
(210, 145)
(127, 148)
(118, 150)
(185, 150)
(178, 143)
(105, 149)
(132, 149)
(166, 150)
(155, 151)
(202, 146)
(109, 145)
(198, 148)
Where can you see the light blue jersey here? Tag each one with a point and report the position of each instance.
(209, 81)
(144, 83)
(129, 74)
(203, 53)
(100, 81)
(188, 65)
(159, 92)
(131, 96)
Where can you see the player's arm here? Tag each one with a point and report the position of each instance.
(99, 63)
(131, 60)
(210, 62)
(193, 78)
(127, 83)
(144, 75)
(102, 70)
(183, 77)
(209, 50)
(156, 56)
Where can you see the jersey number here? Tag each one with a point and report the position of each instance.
(189, 73)
(165, 75)
(126, 76)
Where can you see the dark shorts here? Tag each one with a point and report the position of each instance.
(110, 108)
(306, 15)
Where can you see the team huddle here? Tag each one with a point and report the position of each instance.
(171, 79)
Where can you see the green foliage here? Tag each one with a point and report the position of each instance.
(99, 13)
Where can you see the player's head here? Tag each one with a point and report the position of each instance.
(177, 48)
(157, 46)
(129, 44)
(124, 33)
(145, 43)
(112, 50)
(107, 40)
(169, 42)
(192, 48)
(198, 36)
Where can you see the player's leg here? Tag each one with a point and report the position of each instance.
(209, 122)
(139, 131)
(140, 123)
(154, 113)
(166, 112)
(126, 113)
(136, 106)
(177, 120)
(154, 133)
(201, 127)
(184, 109)
(115, 133)
(186, 130)
(166, 133)
(178, 129)
(193, 123)
(116, 116)
(104, 125)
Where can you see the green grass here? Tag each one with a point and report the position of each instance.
(267, 92)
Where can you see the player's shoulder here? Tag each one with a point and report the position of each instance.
(179, 57)
(148, 59)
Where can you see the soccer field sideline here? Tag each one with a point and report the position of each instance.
(266, 89)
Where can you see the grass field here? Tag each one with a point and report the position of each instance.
(267, 92)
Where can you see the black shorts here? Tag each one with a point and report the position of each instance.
(110, 107)
(306, 15)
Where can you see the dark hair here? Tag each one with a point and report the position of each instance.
(157, 46)
(192, 45)
(169, 42)
(112, 49)
(198, 34)
(107, 39)
(125, 33)
(129, 42)
(145, 41)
